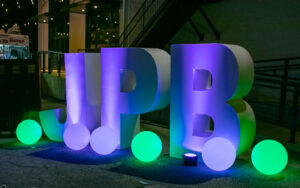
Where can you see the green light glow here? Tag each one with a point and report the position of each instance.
(29, 132)
(146, 146)
(269, 157)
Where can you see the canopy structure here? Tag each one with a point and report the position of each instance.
(14, 46)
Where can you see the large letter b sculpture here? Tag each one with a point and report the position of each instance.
(208, 82)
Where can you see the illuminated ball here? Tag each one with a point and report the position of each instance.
(29, 132)
(76, 136)
(146, 146)
(218, 154)
(104, 140)
(269, 157)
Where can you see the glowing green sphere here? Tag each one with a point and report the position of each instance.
(146, 146)
(29, 132)
(269, 157)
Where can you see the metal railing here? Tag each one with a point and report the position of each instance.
(276, 74)
(52, 62)
(140, 21)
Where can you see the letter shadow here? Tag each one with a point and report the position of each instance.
(170, 170)
(86, 156)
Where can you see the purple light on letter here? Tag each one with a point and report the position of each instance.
(218, 154)
(208, 82)
(133, 81)
(83, 97)
(77, 136)
(104, 140)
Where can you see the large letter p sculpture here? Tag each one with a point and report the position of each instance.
(133, 81)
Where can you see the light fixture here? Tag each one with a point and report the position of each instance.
(6, 10)
(51, 19)
(146, 146)
(106, 18)
(76, 136)
(218, 154)
(190, 159)
(104, 140)
(95, 6)
(82, 10)
(68, 23)
(269, 157)
(44, 21)
(29, 132)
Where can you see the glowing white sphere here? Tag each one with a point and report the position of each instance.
(76, 136)
(104, 140)
(218, 154)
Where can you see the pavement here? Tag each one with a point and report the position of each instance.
(51, 164)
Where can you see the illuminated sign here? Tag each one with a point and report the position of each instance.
(208, 116)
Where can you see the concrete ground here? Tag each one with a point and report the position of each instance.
(49, 164)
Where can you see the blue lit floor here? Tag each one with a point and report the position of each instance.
(50, 164)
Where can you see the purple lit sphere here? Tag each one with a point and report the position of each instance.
(76, 136)
(104, 140)
(218, 154)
